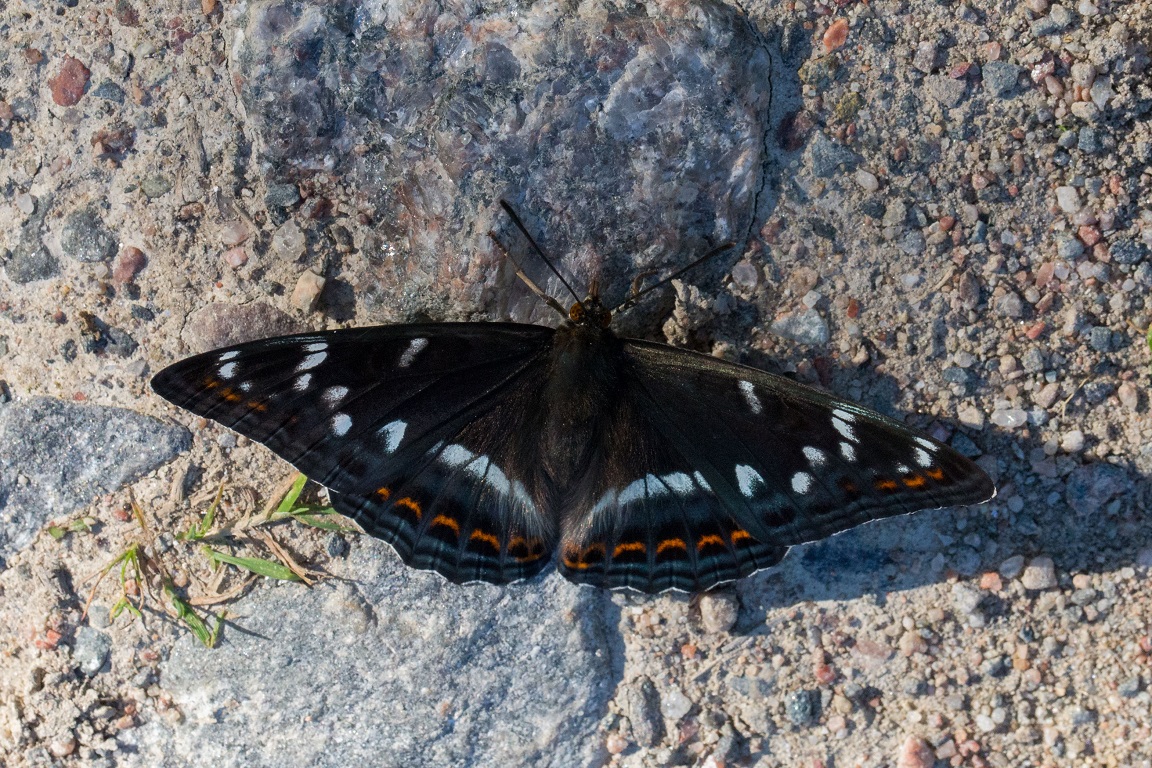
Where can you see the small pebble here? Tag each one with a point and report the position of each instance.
(1129, 396)
(915, 753)
(307, 291)
(233, 233)
(1039, 574)
(128, 264)
(91, 649)
(674, 704)
(803, 707)
(966, 599)
(718, 611)
(971, 416)
(1072, 441)
(1010, 418)
(1012, 567)
(867, 180)
(836, 35)
(1068, 199)
(69, 83)
(235, 257)
(807, 327)
(1000, 77)
(745, 275)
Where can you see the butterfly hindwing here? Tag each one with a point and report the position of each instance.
(467, 506)
(646, 516)
(410, 427)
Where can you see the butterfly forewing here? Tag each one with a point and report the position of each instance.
(791, 463)
(409, 426)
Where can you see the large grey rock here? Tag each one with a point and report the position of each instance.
(661, 108)
(56, 457)
(393, 667)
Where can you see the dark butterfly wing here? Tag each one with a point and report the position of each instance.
(723, 467)
(408, 426)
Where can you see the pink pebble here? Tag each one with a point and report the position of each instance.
(128, 264)
(235, 257)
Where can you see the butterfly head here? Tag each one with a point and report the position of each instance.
(590, 312)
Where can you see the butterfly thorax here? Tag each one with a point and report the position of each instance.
(583, 380)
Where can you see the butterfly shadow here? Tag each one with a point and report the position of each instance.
(1089, 517)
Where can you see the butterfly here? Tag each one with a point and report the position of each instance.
(486, 451)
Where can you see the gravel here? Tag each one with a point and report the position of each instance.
(939, 210)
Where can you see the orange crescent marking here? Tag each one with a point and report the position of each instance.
(594, 547)
(631, 546)
(445, 521)
(886, 485)
(412, 505)
(935, 473)
(383, 492)
(572, 558)
(671, 544)
(534, 548)
(211, 383)
(916, 481)
(740, 535)
(231, 395)
(255, 406)
(480, 535)
(709, 539)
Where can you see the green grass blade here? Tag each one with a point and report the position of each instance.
(289, 500)
(316, 520)
(259, 566)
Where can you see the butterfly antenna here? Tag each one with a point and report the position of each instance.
(637, 294)
(539, 251)
(527, 280)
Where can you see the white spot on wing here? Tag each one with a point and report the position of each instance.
(815, 456)
(312, 360)
(843, 426)
(848, 451)
(750, 397)
(302, 383)
(748, 479)
(225, 357)
(414, 348)
(635, 491)
(903, 469)
(245, 386)
(227, 371)
(483, 469)
(393, 433)
(801, 482)
(922, 457)
(456, 455)
(341, 423)
(701, 481)
(927, 444)
(679, 483)
(843, 415)
(318, 346)
(333, 395)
